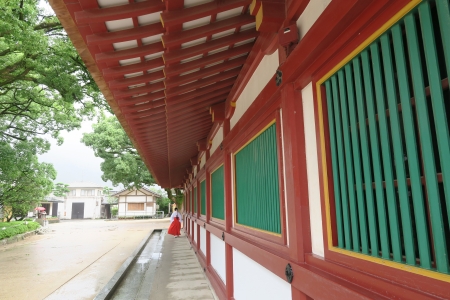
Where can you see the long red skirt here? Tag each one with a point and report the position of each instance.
(174, 228)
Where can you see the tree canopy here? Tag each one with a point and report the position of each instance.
(61, 189)
(44, 85)
(121, 161)
(25, 182)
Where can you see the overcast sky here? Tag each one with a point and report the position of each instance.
(74, 161)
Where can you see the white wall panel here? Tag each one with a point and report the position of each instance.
(218, 138)
(312, 166)
(310, 15)
(203, 240)
(202, 160)
(136, 199)
(122, 209)
(263, 73)
(218, 256)
(195, 232)
(253, 281)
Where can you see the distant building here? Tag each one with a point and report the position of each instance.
(84, 201)
(136, 202)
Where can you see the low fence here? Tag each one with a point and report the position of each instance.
(140, 215)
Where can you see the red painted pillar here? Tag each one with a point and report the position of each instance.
(228, 212)
(296, 180)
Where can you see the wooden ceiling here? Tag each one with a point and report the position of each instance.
(161, 66)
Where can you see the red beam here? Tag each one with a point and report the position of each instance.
(148, 112)
(178, 17)
(140, 90)
(114, 56)
(148, 105)
(99, 15)
(179, 80)
(221, 94)
(199, 92)
(188, 120)
(141, 99)
(107, 38)
(178, 38)
(125, 82)
(202, 82)
(177, 69)
(188, 107)
(134, 121)
(118, 72)
(178, 55)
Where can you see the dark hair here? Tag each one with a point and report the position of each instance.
(176, 208)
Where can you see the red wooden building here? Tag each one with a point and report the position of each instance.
(311, 137)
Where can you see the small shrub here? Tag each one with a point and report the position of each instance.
(10, 229)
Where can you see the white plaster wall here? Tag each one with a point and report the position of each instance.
(312, 166)
(149, 207)
(218, 138)
(122, 198)
(122, 209)
(218, 256)
(263, 73)
(253, 281)
(136, 199)
(309, 16)
(195, 232)
(203, 240)
(202, 160)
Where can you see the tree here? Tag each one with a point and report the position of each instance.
(107, 195)
(163, 201)
(44, 85)
(121, 161)
(24, 182)
(61, 189)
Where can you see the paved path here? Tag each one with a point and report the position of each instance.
(179, 275)
(74, 261)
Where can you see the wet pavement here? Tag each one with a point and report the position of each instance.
(73, 261)
(179, 275)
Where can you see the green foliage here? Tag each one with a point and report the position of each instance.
(61, 189)
(107, 195)
(163, 203)
(177, 196)
(8, 230)
(24, 182)
(121, 161)
(114, 211)
(44, 85)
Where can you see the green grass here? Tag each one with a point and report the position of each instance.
(9, 229)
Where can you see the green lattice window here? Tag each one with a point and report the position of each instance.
(203, 197)
(217, 194)
(257, 191)
(388, 113)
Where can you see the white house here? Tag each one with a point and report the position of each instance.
(84, 201)
(136, 202)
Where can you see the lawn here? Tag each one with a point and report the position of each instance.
(9, 229)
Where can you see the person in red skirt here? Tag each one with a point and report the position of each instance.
(175, 225)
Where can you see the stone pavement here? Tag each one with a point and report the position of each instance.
(179, 275)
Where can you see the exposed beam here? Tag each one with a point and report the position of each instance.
(179, 80)
(178, 69)
(107, 38)
(222, 93)
(172, 18)
(178, 38)
(140, 90)
(199, 92)
(145, 113)
(115, 56)
(126, 82)
(178, 55)
(136, 100)
(118, 72)
(99, 15)
(147, 105)
(186, 108)
(202, 82)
